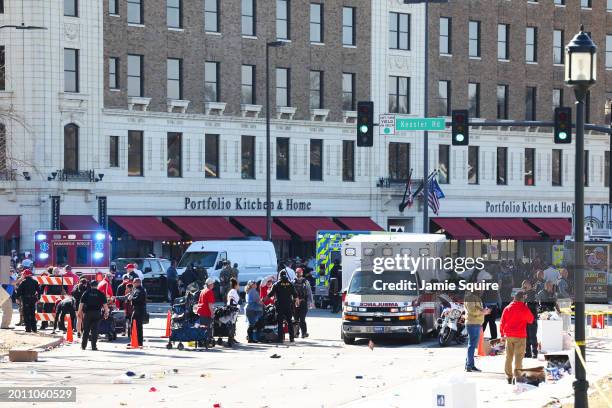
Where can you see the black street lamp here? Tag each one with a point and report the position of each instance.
(580, 74)
(271, 44)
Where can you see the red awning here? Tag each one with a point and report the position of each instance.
(147, 228)
(556, 228)
(201, 228)
(306, 227)
(9, 226)
(458, 228)
(257, 225)
(507, 228)
(359, 224)
(78, 222)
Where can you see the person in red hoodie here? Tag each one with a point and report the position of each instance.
(105, 286)
(513, 326)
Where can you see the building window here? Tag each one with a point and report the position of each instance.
(283, 94)
(248, 157)
(2, 68)
(135, 153)
(531, 44)
(502, 101)
(348, 92)
(560, 2)
(399, 31)
(316, 22)
(175, 79)
(609, 5)
(113, 7)
(399, 94)
(283, 20)
(134, 12)
(558, 54)
(586, 168)
(503, 31)
(609, 51)
(473, 161)
(399, 161)
(348, 160)
(585, 3)
(529, 166)
(445, 41)
(607, 168)
(113, 73)
(348, 26)
(135, 75)
(530, 103)
(71, 148)
(71, 8)
(247, 95)
(113, 159)
(174, 14)
(282, 158)
(71, 70)
(444, 97)
(316, 90)
(211, 156)
(502, 166)
(1, 6)
(175, 154)
(316, 159)
(474, 99)
(211, 16)
(248, 17)
(557, 162)
(474, 39)
(557, 98)
(443, 164)
(211, 81)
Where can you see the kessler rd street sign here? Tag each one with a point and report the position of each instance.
(420, 124)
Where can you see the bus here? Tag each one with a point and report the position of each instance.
(86, 251)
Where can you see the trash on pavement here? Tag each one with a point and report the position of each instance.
(122, 379)
(522, 387)
(359, 377)
(130, 373)
(275, 356)
(153, 389)
(173, 386)
(532, 376)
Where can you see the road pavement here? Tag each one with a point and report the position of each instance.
(320, 371)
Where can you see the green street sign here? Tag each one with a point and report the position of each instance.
(420, 124)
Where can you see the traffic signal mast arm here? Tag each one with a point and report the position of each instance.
(525, 123)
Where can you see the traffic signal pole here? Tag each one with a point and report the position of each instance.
(426, 133)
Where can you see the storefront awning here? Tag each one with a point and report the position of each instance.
(359, 224)
(257, 225)
(147, 228)
(201, 228)
(458, 228)
(306, 227)
(78, 222)
(9, 226)
(507, 228)
(556, 228)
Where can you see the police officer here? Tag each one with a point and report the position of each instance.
(138, 297)
(92, 302)
(28, 292)
(65, 307)
(285, 295)
(303, 300)
(224, 279)
(335, 282)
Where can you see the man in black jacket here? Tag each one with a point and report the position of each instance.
(92, 302)
(28, 292)
(285, 296)
(531, 347)
(138, 297)
(65, 307)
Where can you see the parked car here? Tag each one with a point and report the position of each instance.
(154, 271)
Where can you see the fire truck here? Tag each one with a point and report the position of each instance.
(87, 252)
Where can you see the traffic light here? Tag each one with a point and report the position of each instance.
(563, 125)
(460, 128)
(365, 124)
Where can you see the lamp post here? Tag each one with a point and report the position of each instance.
(580, 74)
(271, 44)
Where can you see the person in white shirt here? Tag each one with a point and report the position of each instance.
(233, 298)
(290, 271)
(138, 272)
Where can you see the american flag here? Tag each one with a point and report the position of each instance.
(435, 193)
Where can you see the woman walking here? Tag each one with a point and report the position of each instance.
(254, 310)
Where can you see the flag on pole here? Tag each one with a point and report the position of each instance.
(435, 193)
(408, 198)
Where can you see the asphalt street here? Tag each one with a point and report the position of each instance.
(320, 371)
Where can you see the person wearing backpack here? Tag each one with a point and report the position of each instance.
(303, 301)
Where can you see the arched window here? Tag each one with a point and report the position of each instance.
(3, 152)
(71, 148)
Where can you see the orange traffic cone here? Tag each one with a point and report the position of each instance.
(481, 351)
(69, 338)
(133, 338)
(168, 319)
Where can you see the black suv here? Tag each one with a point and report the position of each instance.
(154, 271)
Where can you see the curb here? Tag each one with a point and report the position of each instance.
(42, 347)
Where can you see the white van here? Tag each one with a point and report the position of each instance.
(255, 259)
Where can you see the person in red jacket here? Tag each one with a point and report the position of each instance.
(106, 287)
(513, 326)
(265, 287)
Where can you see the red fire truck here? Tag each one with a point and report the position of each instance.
(88, 252)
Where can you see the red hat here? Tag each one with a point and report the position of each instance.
(27, 272)
(130, 266)
(299, 270)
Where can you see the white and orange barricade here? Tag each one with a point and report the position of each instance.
(51, 280)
